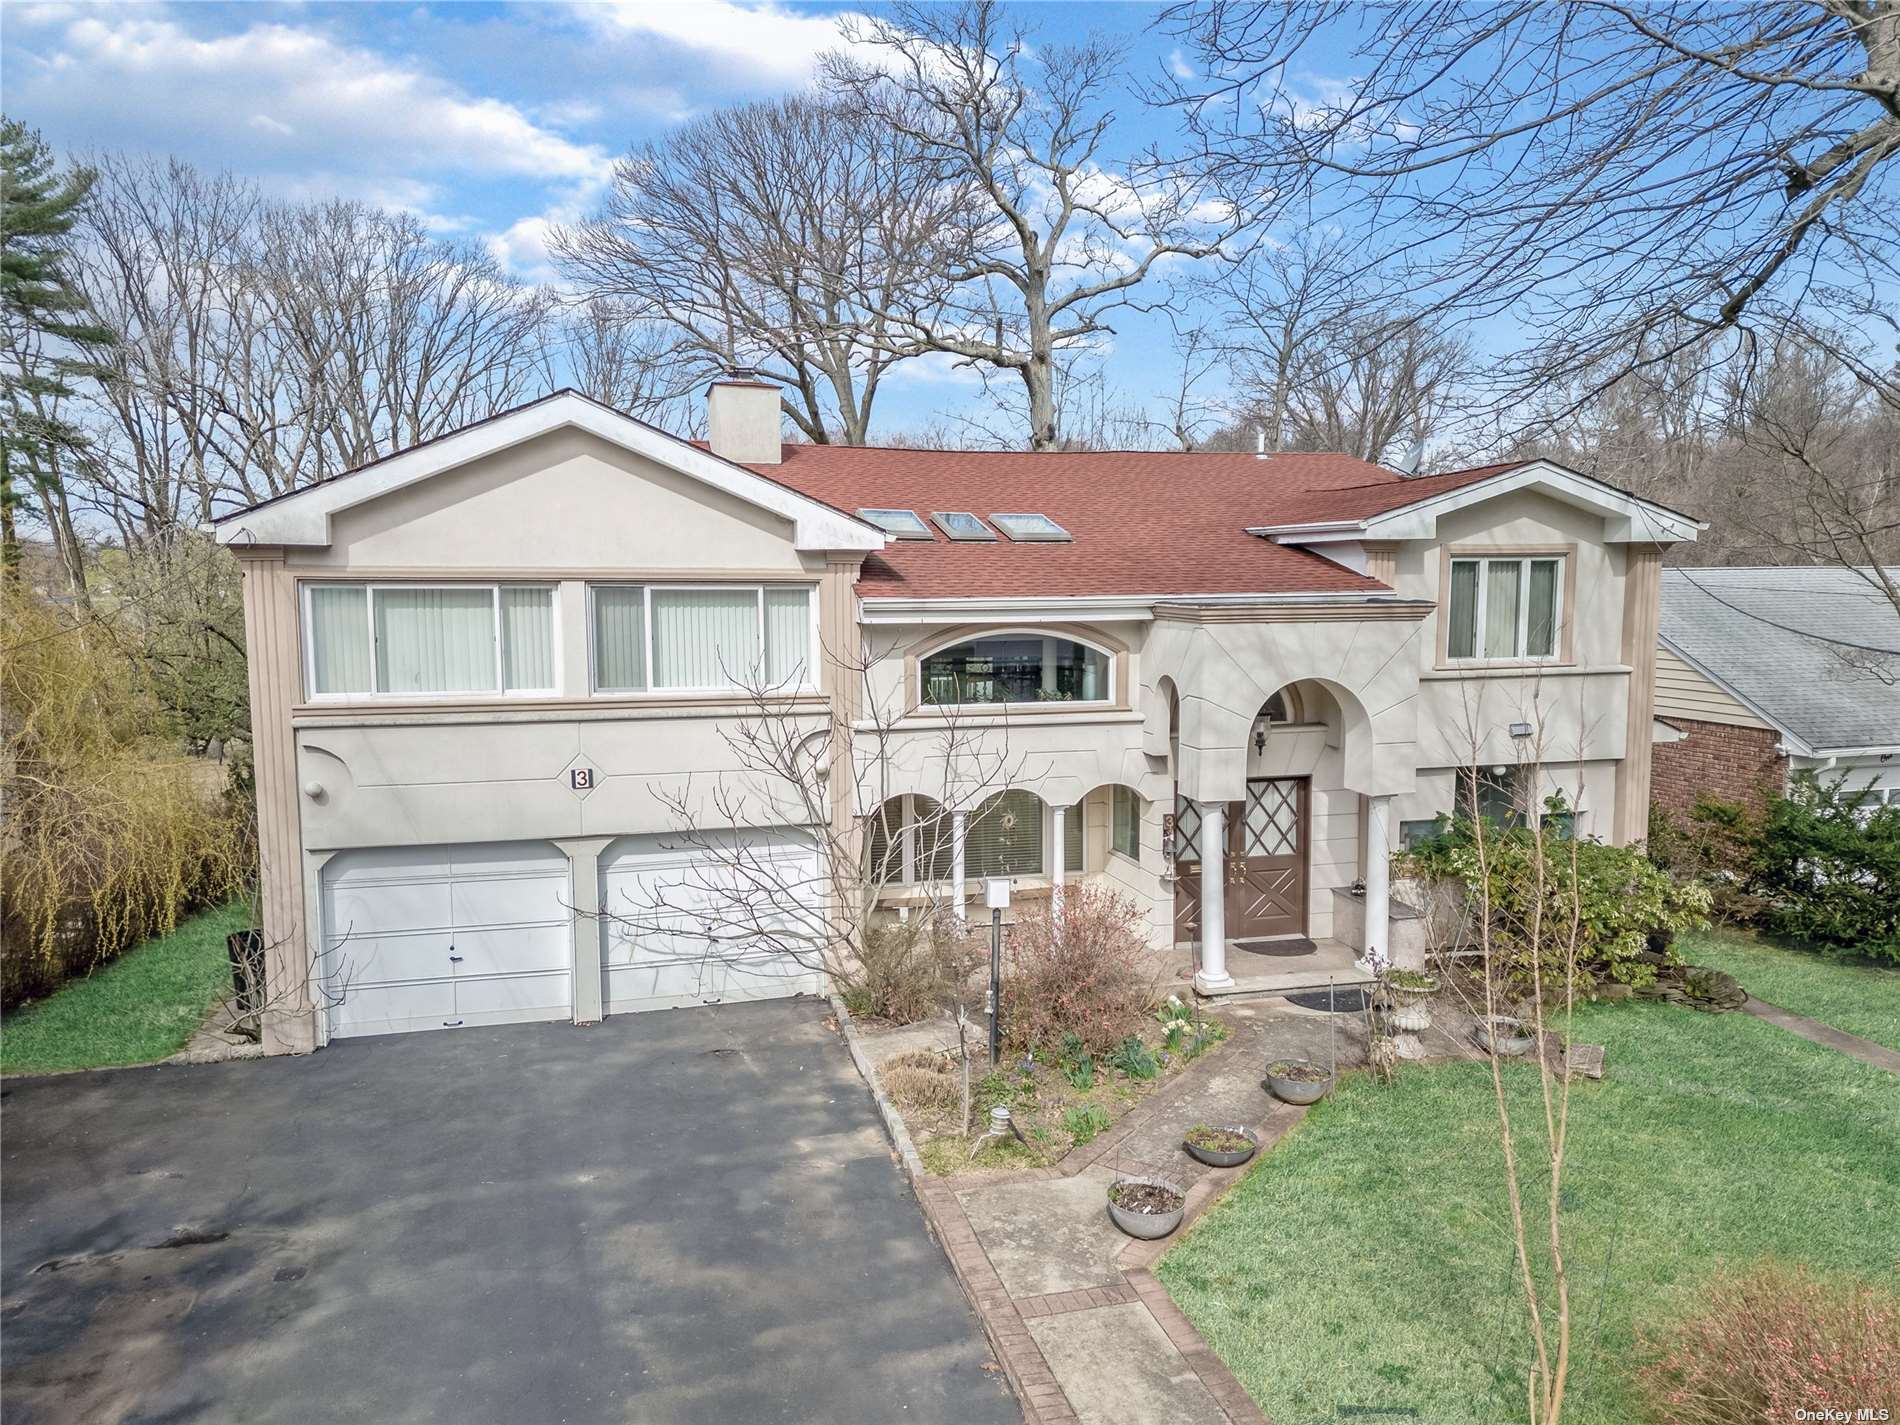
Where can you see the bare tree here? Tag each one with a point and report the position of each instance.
(612, 352)
(1060, 235)
(1624, 181)
(814, 907)
(780, 236)
(266, 346)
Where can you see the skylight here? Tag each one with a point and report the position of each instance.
(1025, 528)
(961, 524)
(904, 524)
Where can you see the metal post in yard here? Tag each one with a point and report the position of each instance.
(996, 895)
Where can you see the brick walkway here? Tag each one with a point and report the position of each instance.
(1081, 1327)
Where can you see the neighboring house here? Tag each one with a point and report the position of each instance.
(486, 672)
(1764, 671)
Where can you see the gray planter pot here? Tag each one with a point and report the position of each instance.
(1225, 1160)
(1500, 1034)
(1147, 1225)
(1296, 1091)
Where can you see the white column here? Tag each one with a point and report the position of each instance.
(1213, 976)
(1057, 840)
(959, 826)
(1378, 935)
(588, 927)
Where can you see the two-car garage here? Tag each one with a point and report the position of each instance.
(435, 937)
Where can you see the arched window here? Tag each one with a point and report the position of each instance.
(1282, 707)
(1015, 668)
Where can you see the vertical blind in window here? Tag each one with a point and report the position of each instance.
(788, 636)
(620, 639)
(527, 639)
(435, 640)
(1005, 836)
(1125, 831)
(339, 640)
(1072, 859)
(1503, 608)
(1462, 638)
(705, 638)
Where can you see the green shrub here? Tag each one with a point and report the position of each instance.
(1717, 844)
(1829, 868)
(1623, 905)
(1076, 1063)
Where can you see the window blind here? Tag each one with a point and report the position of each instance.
(1462, 637)
(1072, 849)
(1500, 608)
(1540, 639)
(527, 639)
(705, 638)
(788, 653)
(620, 640)
(1125, 831)
(434, 640)
(339, 639)
(1004, 837)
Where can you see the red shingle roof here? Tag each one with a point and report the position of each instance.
(1143, 522)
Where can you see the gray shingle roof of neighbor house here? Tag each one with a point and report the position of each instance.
(1791, 644)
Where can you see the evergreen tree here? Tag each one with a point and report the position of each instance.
(47, 326)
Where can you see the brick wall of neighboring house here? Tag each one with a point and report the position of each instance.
(1733, 764)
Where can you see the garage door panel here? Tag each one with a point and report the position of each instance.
(511, 949)
(514, 900)
(377, 959)
(503, 998)
(382, 909)
(392, 1009)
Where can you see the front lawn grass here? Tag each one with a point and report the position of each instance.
(141, 1007)
(1366, 1261)
(1858, 996)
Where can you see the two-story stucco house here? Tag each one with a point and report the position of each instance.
(482, 669)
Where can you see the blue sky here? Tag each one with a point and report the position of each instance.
(490, 120)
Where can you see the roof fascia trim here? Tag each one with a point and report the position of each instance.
(304, 518)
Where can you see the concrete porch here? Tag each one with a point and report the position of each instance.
(1257, 967)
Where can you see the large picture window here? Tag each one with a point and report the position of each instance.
(1015, 668)
(702, 638)
(428, 640)
(1504, 608)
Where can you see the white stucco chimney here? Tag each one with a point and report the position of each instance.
(742, 419)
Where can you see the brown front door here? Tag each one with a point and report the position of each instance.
(1266, 859)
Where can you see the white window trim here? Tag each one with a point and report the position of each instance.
(1524, 561)
(369, 586)
(807, 682)
(1108, 700)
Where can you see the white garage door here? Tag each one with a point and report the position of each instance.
(675, 933)
(432, 937)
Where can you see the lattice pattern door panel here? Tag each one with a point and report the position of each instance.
(1273, 819)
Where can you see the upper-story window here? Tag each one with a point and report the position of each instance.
(428, 640)
(1016, 668)
(1506, 608)
(702, 637)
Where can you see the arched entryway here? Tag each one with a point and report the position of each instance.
(1263, 837)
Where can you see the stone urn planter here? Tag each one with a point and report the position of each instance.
(1501, 1034)
(1221, 1145)
(1146, 1207)
(1408, 1011)
(1298, 1081)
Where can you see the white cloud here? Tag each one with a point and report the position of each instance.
(1178, 65)
(764, 41)
(280, 98)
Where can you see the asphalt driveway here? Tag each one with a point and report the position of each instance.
(680, 1216)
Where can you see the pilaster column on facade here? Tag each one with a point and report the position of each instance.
(959, 834)
(1213, 976)
(275, 675)
(1059, 856)
(583, 871)
(1378, 936)
(1642, 617)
